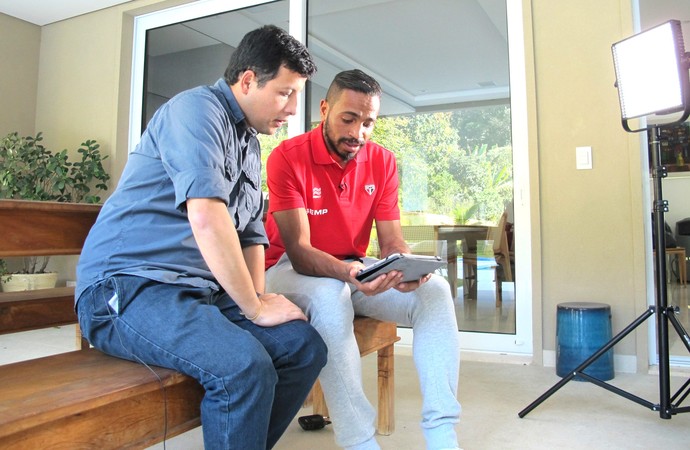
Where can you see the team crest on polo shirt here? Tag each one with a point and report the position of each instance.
(369, 188)
(316, 192)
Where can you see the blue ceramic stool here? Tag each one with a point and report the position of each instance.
(582, 328)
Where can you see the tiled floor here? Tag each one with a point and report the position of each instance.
(484, 314)
(580, 415)
(577, 416)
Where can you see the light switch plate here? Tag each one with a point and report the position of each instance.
(583, 158)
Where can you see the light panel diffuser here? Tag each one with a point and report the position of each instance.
(651, 75)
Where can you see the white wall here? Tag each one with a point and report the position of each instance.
(19, 47)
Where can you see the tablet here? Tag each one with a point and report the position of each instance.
(413, 267)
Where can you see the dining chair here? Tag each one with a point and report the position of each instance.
(503, 258)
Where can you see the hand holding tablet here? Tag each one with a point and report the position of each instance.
(413, 267)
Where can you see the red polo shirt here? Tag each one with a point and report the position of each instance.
(341, 203)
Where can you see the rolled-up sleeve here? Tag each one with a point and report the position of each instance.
(254, 234)
(200, 183)
(192, 146)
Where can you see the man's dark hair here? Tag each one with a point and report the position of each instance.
(264, 51)
(354, 80)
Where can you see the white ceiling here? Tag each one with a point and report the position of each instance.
(412, 86)
(43, 12)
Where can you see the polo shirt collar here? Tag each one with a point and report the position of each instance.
(320, 151)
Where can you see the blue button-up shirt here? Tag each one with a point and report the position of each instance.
(197, 145)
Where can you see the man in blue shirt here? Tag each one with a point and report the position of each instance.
(172, 273)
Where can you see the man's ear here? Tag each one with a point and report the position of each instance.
(323, 108)
(246, 79)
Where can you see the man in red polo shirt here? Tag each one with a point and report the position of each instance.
(327, 187)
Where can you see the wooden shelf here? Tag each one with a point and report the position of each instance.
(45, 228)
(31, 310)
(41, 228)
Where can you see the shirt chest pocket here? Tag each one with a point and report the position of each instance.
(251, 169)
(244, 177)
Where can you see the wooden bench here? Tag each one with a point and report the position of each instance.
(86, 399)
(83, 398)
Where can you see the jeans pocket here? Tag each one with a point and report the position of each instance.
(97, 306)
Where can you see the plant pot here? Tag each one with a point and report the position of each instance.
(30, 282)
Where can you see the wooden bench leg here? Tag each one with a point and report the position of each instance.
(386, 416)
(318, 401)
(372, 336)
(386, 393)
(81, 341)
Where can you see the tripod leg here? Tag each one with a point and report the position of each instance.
(684, 390)
(681, 394)
(617, 338)
(546, 395)
(670, 312)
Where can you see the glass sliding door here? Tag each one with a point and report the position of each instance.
(190, 46)
(453, 112)
(446, 114)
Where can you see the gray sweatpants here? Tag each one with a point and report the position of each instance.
(331, 306)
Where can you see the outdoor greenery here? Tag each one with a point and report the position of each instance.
(454, 167)
(30, 171)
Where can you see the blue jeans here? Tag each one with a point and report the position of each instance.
(255, 378)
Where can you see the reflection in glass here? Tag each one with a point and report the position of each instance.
(445, 114)
(196, 52)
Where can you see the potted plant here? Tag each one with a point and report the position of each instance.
(30, 171)
(4, 273)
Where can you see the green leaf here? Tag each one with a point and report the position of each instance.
(30, 171)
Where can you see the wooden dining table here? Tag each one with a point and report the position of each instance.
(468, 235)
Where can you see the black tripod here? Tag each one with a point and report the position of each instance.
(668, 405)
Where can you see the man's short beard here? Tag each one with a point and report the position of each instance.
(333, 147)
